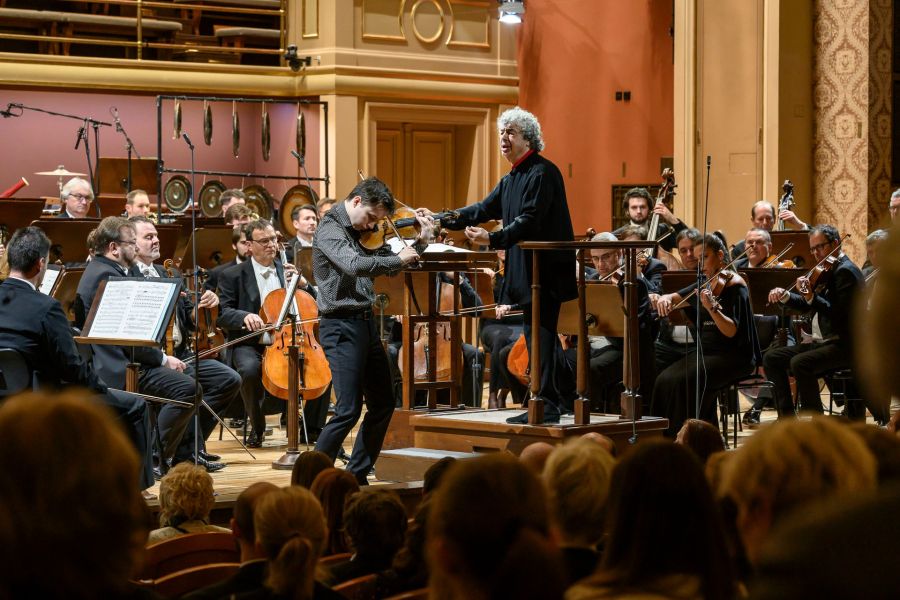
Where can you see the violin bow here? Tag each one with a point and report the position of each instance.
(773, 264)
(719, 272)
(818, 264)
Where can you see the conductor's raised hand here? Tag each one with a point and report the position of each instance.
(408, 255)
(478, 235)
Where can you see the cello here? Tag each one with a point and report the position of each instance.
(315, 374)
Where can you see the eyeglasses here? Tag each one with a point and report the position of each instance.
(82, 197)
(821, 246)
(266, 241)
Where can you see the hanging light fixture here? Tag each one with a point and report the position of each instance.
(511, 11)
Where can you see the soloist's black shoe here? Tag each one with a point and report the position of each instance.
(210, 457)
(343, 456)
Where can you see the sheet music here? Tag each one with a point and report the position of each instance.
(396, 245)
(132, 309)
(50, 277)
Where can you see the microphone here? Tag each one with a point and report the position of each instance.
(708, 161)
(296, 155)
(115, 114)
(187, 140)
(80, 135)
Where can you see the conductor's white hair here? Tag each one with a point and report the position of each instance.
(526, 122)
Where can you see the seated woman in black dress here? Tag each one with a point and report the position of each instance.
(728, 344)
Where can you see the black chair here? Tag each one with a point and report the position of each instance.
(15, 376)
(842, 389)
(728, 399)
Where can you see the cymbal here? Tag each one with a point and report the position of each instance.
(61, 171)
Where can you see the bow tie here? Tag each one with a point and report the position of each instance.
(266, 272)
(148, 271)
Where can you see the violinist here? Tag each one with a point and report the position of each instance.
(758, 243)
(674, 341)
(640, 206)
(831, 304)
(242, 289)
(220, 384)
(531, 202)
(347, 329)
(729, 346)
(651, 268)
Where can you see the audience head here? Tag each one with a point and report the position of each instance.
(488, 533)
(308, 466)
(375, 524)
(534, 456)
(702, 438)
(72, 519)
(244, 510)
(885, 448)
(137, 204)
(185, 494)
(577, 477)
(291, 532)
(332, 487)
(789, 465)
(77, 196)
(662, 520)
(605, 442)
(434, 475)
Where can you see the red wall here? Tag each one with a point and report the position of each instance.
(573, 56)
(39, 142)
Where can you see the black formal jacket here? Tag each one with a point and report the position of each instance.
(834, 302)
(212, 281)
(652, 273)
(531, 202)
(239, 296)
(35, 324)
(109, 361)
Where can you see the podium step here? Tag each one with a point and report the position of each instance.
(410, 464)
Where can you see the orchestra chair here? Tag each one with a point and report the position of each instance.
(421, 594)
(361, 588)
(189, 550)
(728, 398)
(15, 376)
(839, 382)
(334, 559)
(179, 583)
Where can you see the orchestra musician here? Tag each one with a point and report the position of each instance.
(894, 204)
(639, 205)
(230, 197)
(531, 202)
(242, 290)
(497, 334)
(728, 341)
(137, 204)
(34, 324)
(347, 326)
(758, 243)
(113, 245)
(76, 196)
(762, 215)
(305, 219)
(874, 243)
(651, 268)
(241, 246)
(831, 306)
(238, 214)
(674, 341)
(220, 384)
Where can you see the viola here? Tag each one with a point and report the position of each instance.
(205, 318)
(818, 275)
(404, 221)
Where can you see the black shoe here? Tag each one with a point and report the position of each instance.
(210, 457)
(254, 440)
(157, 473)
(343, 456)
(751, 417)
(211, 466)
(236, 423)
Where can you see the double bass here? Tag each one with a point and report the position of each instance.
(666, 197)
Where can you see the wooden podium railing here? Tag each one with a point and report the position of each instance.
(631, 405)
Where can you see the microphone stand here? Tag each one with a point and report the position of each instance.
(129, 148)
(198, 397)
(698, 327)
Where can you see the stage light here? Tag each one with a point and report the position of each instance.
(511, 11)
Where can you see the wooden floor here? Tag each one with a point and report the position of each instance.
(244, 470)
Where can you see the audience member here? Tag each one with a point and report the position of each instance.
(409, 571)
(332, 487)
(435, 474)
(375, 525)
(505, 551)
(308, 466)
(185, 500)
(71, 516)
(789, 466)
(885, 448)
(664, 533)
(702, 438)
(605, 442)
(291, 533)
(577, 477)
(253, 560)
(534, 456)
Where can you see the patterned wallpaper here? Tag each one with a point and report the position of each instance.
(852, 100)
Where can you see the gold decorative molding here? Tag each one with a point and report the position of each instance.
(440, 14)
(455, 18)
(310, 14)
(383, 37)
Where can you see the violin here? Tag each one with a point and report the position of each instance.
(205, 318)
(315, 373)
(818, 275)
(404, 221)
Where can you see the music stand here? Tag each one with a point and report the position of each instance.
(68, 238)
(52, 278)
(799, 254)
(303, 262)
(66, 287)
(761, 281)
(672, 281)
(114, 175)
(111, 206)
(605, 312)
(169, 236)
(213, 249)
